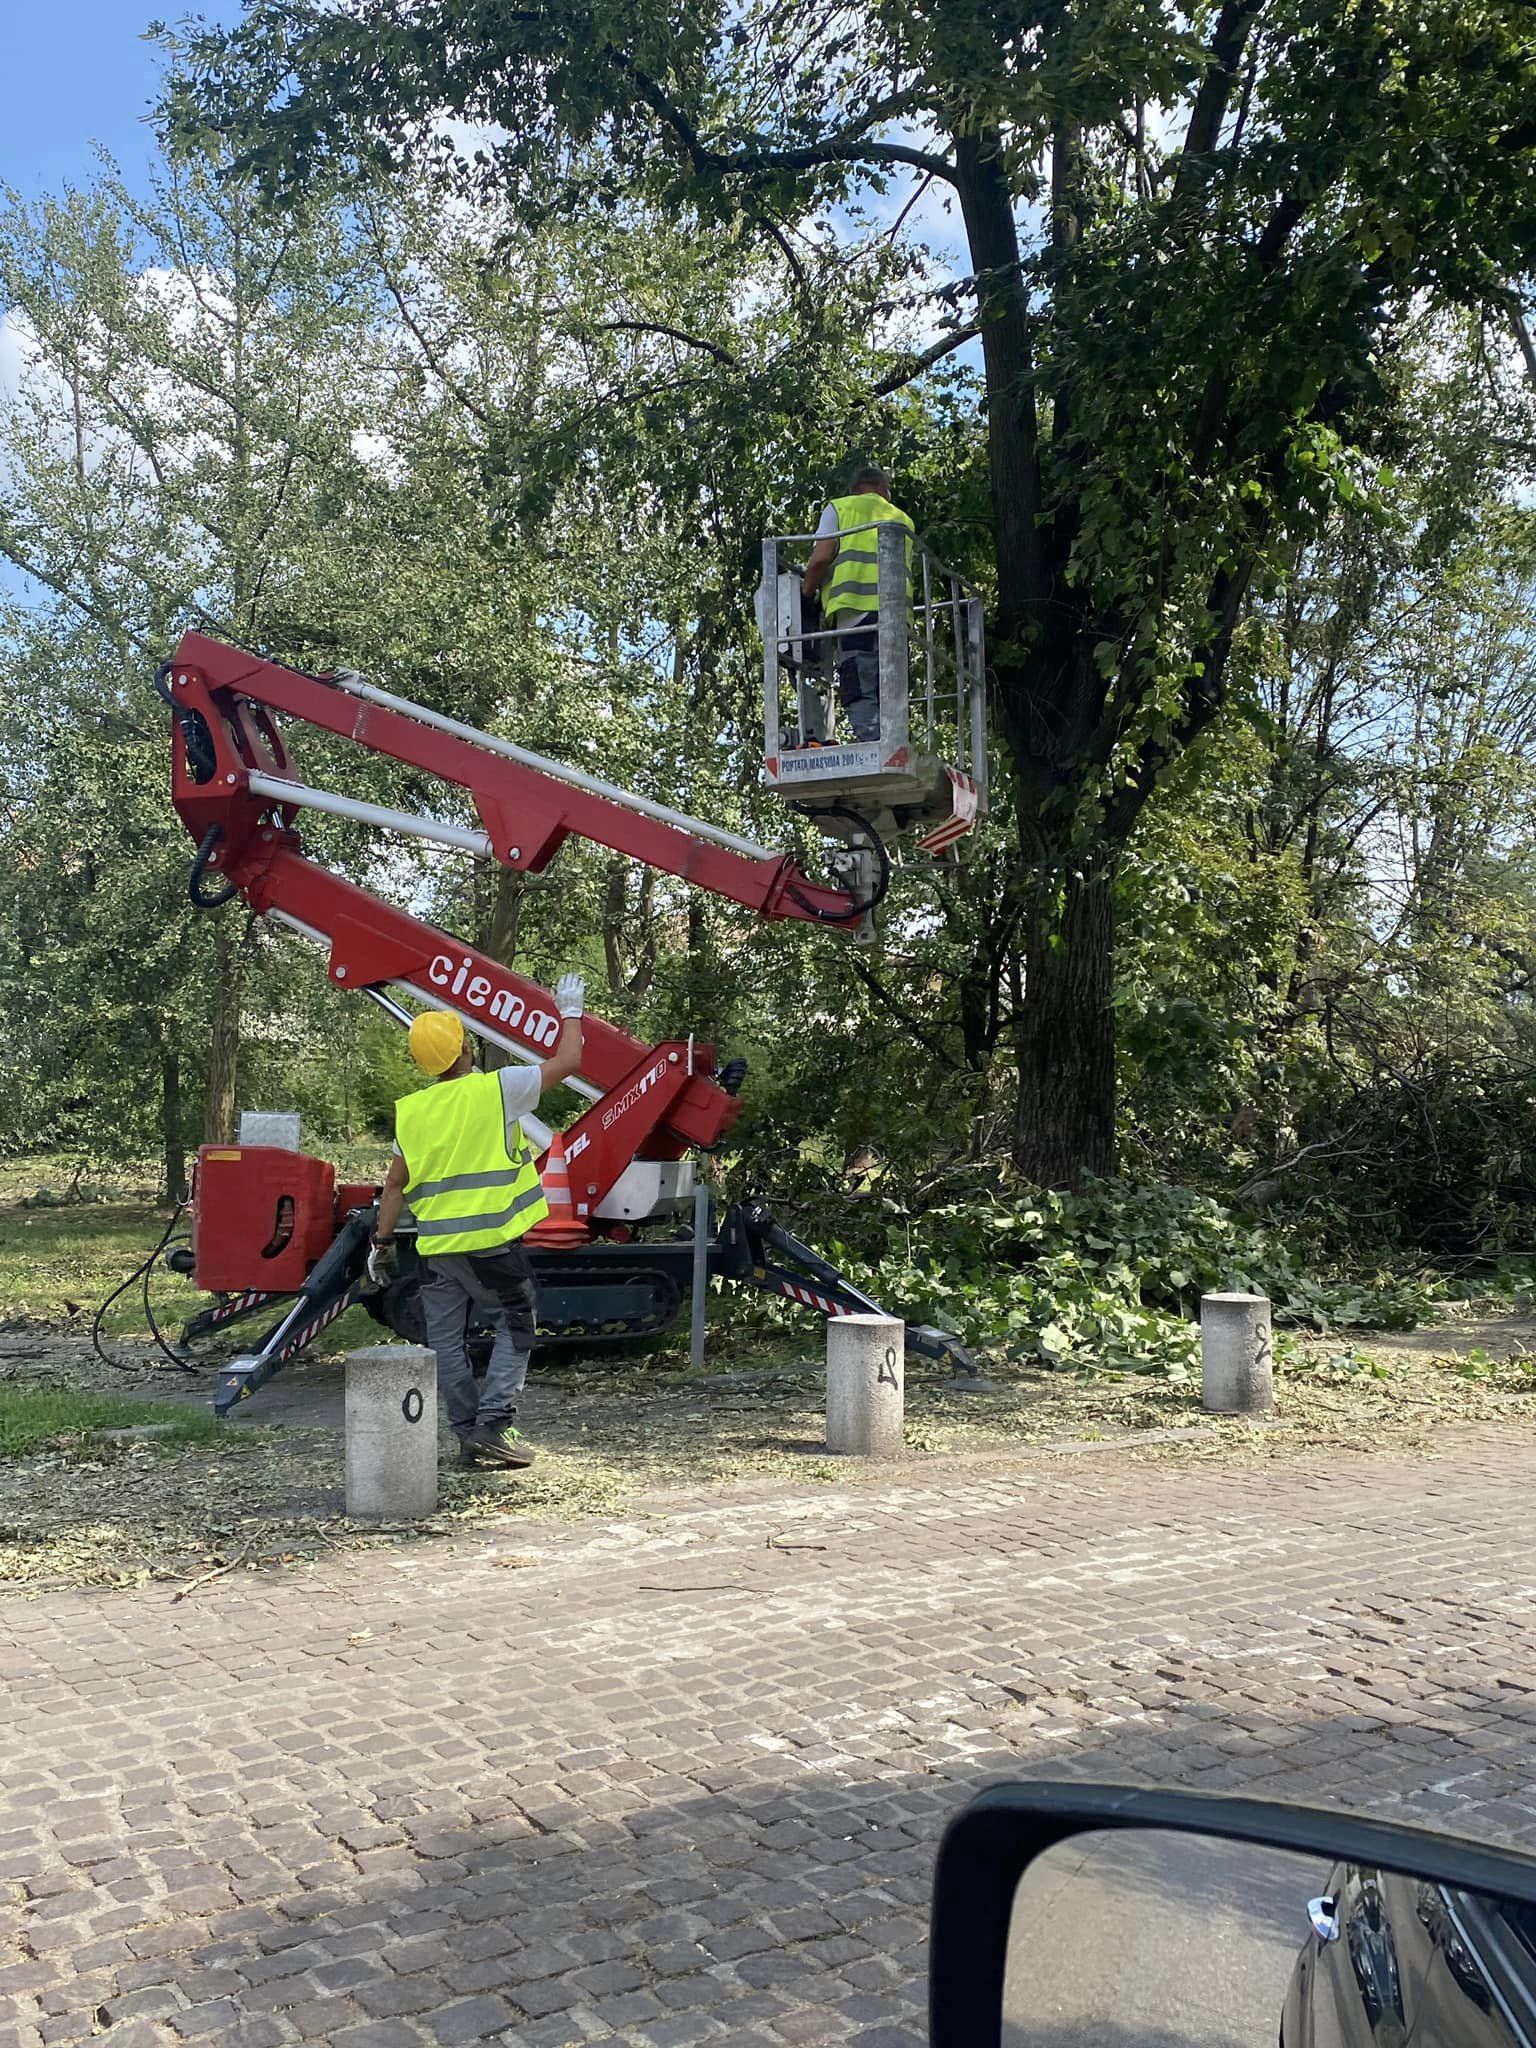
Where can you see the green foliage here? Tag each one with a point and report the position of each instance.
(1194, 324)
(1107, 1280)
(514, 460)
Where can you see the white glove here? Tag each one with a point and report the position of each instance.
(571, 994)
(381, 1263)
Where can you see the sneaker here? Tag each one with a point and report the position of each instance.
(495, 1446)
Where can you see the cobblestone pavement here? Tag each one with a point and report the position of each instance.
(679, 1778)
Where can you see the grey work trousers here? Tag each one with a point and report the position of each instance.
(500, 1284)
(858, 681)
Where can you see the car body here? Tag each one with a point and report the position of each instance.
(1393, 1960)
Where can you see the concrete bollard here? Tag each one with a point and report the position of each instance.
(1236, 1358)
(865, 1373)
(392, 1431)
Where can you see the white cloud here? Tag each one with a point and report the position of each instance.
(17, 353)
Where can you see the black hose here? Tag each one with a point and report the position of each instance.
(181, 1364)
(143, 1271)
(208, 899)
(202, 757)
(882, 884)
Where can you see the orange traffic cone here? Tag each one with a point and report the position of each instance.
(560, 1226)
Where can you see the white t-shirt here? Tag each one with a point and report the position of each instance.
(519, 1094)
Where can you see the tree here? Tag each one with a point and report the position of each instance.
(1326, 972)
(196, 372)
(1194, 237)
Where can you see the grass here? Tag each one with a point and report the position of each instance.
(57, 1264)
(34, 1420)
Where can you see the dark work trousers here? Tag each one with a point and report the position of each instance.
(500, 1283)
(858, 681)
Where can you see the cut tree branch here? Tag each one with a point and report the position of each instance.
(698, 341)
(915, 365)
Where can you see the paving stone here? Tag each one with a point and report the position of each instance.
(468, 2019)
(619, 1815)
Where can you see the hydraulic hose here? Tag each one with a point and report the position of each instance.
(141, 1272)
(205, 898)
(882, 884)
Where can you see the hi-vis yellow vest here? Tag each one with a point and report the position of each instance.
(467, 1192)
(854, 584)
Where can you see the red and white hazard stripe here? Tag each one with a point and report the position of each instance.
(811, 1299)
(962, 818)
(312, 1330)
(239, 1303)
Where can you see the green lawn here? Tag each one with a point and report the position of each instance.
(44, 1419)
(57, 1264)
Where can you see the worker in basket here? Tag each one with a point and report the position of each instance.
(468, 1172)
(844, 569)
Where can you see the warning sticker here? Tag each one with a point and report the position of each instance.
(806, 763)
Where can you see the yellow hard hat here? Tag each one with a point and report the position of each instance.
(437, 1039)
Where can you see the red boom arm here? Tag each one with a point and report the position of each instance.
(657, 1102)
(527, 814)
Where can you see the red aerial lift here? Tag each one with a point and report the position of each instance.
(272, 1225)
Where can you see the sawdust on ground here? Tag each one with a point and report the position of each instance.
(132, 1511)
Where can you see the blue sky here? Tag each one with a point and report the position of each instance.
(76, 72)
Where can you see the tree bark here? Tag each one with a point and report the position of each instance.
(1013, 450)
(1064, 1123)
(698, 1006)
(173, 1152)
(498, 936)
(219, 1113)
(613, 925)
(1049, 697)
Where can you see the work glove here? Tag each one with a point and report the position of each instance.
(381, 1262)
(571, 994)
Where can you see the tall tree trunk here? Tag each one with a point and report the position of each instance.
(1064, 1124)
(219, 1114)
(701, 961)
(1007, 347)
(173, 1151)
(614, 906)
(499, 933)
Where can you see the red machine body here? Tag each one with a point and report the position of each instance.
(271, 1226)
(261, 1217)
(235, 789)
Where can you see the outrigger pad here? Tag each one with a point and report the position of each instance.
(944, 1349)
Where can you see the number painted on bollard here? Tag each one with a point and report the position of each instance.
(413, 1407)
(886, 1377)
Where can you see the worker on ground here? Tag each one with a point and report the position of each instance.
(468, 1172)
(847, 561)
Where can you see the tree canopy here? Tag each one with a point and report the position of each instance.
(1196, 237)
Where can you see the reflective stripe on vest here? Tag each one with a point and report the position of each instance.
(854, 584)
(467, 1192)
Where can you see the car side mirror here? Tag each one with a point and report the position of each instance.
(1102, 1916)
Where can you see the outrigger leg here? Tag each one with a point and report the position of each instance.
(757, 1250)
(332, 1287)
